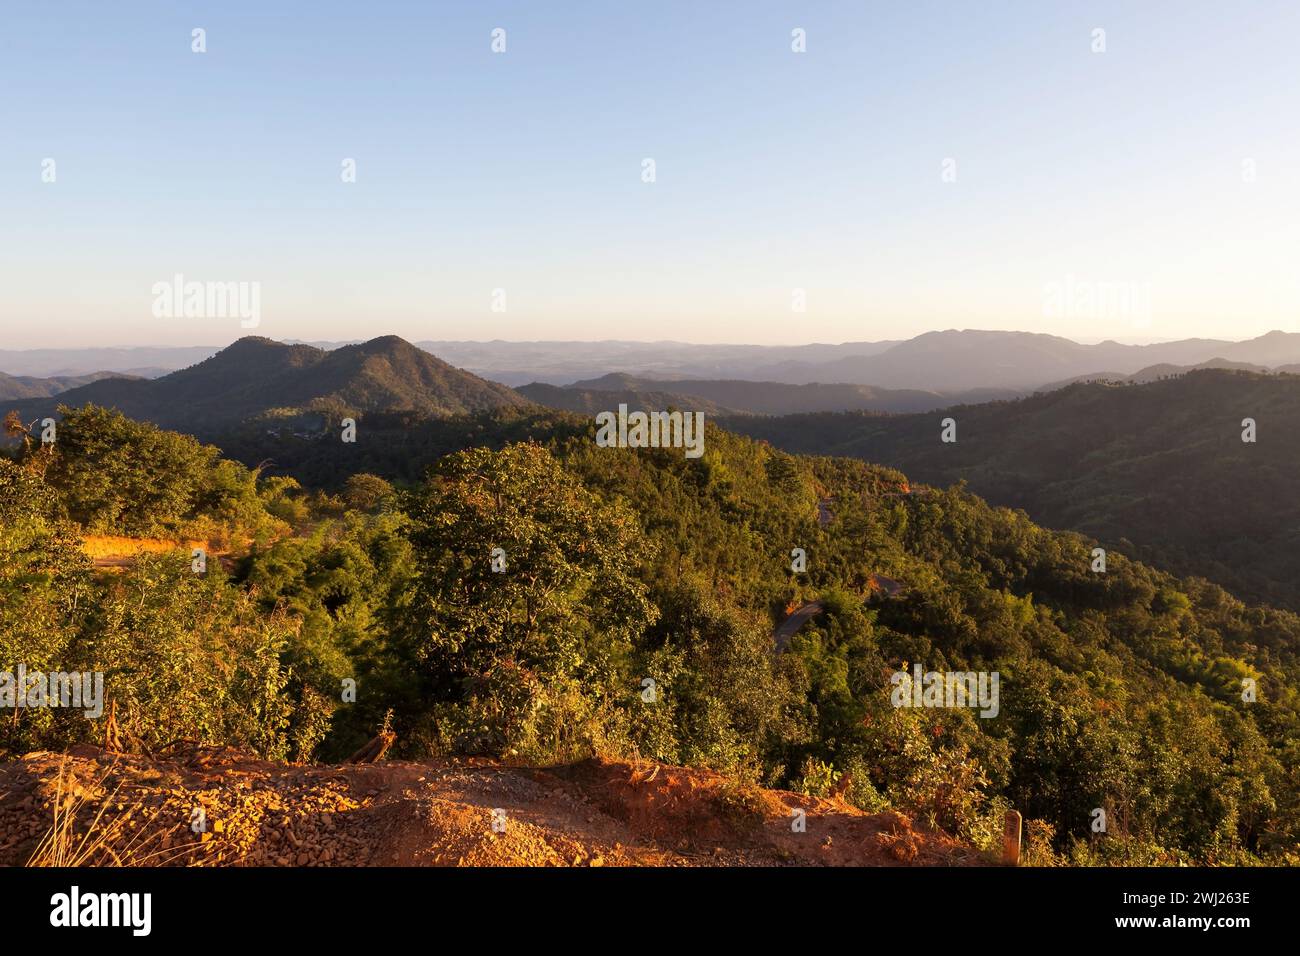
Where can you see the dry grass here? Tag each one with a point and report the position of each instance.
(102, 840)
(111, 546)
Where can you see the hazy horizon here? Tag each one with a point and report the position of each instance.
(335, 343)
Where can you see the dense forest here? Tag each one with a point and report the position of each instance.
(1158, 471)
(497, 584)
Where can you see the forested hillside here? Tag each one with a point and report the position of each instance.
(516, 600)
(1159, 471)
(736, 397)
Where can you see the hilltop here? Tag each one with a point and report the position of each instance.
(258, 378)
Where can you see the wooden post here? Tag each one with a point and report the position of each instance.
(1011, 839)
(375, 750)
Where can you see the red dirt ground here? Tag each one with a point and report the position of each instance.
(438, 813)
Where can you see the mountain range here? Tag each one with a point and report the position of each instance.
(959, 360)
(948, 362)
(256, 377)
(28, 386)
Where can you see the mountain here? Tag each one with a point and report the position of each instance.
(1153, 373)
(1159, 470)
(27, 386)
(723, 396)
(968, 359)
(955, 360)
(1272, 349)
(256, 377)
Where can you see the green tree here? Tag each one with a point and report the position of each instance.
(118, 476)
(520, 651)
(47, 596)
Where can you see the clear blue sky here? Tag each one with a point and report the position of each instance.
(775, 170)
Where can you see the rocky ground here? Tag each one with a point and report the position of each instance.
(214, 806)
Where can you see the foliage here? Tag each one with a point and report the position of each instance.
(525, 599)
(1120, 691)
(117, 476)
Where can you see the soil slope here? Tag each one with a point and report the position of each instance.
(143, 811)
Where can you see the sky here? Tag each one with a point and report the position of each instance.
(918, 166)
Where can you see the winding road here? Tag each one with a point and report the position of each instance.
(787, 628)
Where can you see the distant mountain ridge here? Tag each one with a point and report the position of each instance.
(738, 396)
(968, 359)
(589, 401)
(29, 386)
(563, 363)
(943, 361)
(256, 377)
(1154, 373)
